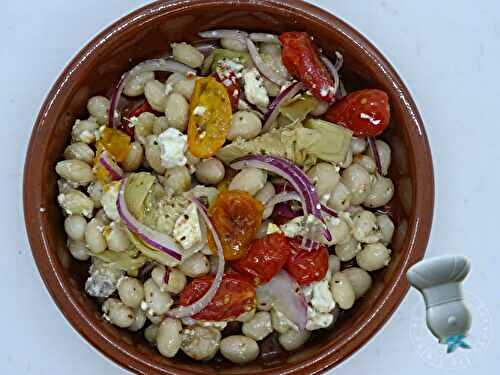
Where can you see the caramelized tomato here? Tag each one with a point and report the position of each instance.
(236, 216)
(306, 266)
(144, 107)
(116, 142)
(235, 296)
(265, 258)
(365, 112)
(233, 89)
(210, 118)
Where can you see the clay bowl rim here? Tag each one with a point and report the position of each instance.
(420, 221)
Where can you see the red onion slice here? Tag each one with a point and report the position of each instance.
(110, 166)
(157, 240)
(335, 74)
(373, 146)
(264, 38)
(155, 65)
(286, 296)
(293, 196)
(300, 182)
(339, 62)
(225, 33)
(263, 68)
(273, 110)
(196, 307)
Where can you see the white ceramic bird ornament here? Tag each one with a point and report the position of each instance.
(439, 280)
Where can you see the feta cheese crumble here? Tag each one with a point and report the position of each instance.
(187, 228)
(199, 110)
(173, 145)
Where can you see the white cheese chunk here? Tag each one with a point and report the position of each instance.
(188, 228)
(108, 200)
(173, 145)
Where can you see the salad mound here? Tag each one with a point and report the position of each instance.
(236, 207)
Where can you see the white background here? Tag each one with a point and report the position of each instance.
(448, 53)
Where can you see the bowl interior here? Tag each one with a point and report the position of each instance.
(147, 33)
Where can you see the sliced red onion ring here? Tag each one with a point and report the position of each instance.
(155, 65)
(373, 146)
(264, 38)
(300, 182)
(196, 307)
(335, 74)
(110, 166)
(263, 68)
(286, 296)
(339, 62)
(273, 110)
(157, 240)
(294, 196)
(205, 46)
(225, 33)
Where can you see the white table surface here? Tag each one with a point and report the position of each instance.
(448, 54)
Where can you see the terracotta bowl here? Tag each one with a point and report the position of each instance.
(146, 33)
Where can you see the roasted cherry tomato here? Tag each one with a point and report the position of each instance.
(144, 107)
(306, 266)
(210, 117)
(265, 258)
(116, 142)
(365, 112)
(235, 296)
(236, 216)
(230, 82)
(301, 58)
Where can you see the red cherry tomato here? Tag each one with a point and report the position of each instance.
(365, 112)
(301, 58)
(306, 266)
(265, 258)
(144, 107)
(233, 89)
(235, 296)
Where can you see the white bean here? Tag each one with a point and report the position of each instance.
(358, 181)
(320, 109)
(155, 95)
(366, 162)
(358, 145)
(279, 321)
(160, 125)
(259, 327)
(325, 178)
(339, 230)
(80, 151)
(177, 111)
(101, 215)
(75, 226)
(365, 228)
(381, 193)
(333, 264)
(233, 44)
(386, 227)
(239, 349)
(292, 339)
(245, 125)
(143, 126)
(139, 320)
(94, 237)
(158, 302)
(96, 190)
(84, 130)
(151, 332)
(246, 316)
(342, 291)
(360, 280)
(384, 152)
(117, 313)
(196, 265)
(200, 343)
(169, 338)
(153, 154)
(210, 171)
(176, 280)
(250, 180)
(134, 157)
(348, 250)
(78, 249)
(187, 54)
(177, 179)
(135, 85)
(373, 257)
(98, 107)
(131, 291)
(263, 196)
(75, 202)
(116, 238)
(75, 171)
(185, 87)
(341, 198)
